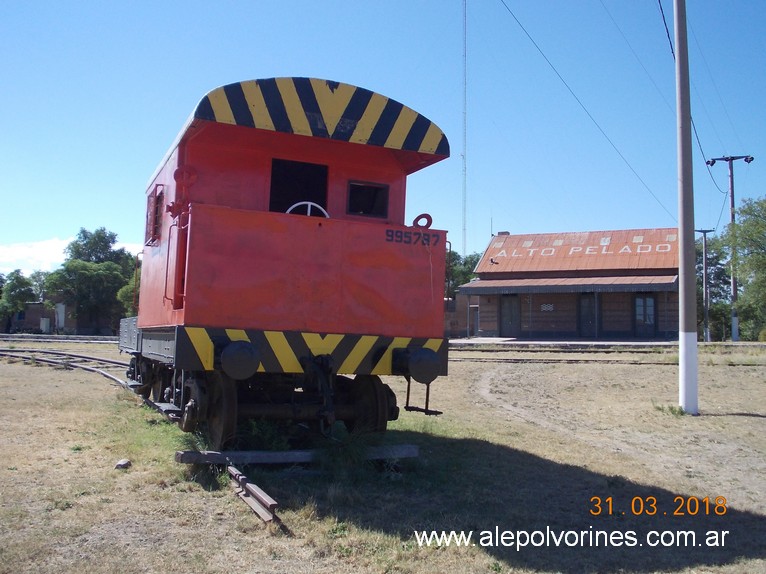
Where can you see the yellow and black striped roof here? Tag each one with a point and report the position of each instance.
(323, 109)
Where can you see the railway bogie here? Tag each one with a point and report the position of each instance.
(279, 278)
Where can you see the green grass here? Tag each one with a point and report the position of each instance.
(676, 411)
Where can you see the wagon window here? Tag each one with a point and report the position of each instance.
(296, 181)
(154, 204)
(368, 199)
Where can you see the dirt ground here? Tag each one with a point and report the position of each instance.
(521, 447)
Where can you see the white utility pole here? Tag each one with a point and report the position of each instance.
(687, 288)
(730, 159)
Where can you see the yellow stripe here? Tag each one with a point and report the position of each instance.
(257, 105)
(221, 108)
(432, 140)
(332, 104)
(369, 119)
(285, 355)
(433, 344)
(202, 345)
(384, 365)
(355, 357)
(293, 107)
(401, 128)
(237, 335)
(321, 345)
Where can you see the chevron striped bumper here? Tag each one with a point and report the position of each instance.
(201, 349)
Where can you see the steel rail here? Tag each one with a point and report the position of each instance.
(29, 356)
(557, 360)
(68, 354)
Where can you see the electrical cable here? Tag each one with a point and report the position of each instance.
(585, 109)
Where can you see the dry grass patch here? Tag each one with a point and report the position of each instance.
(520, 447)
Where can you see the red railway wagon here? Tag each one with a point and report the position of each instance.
(278, 264)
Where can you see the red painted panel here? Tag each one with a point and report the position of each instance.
(271, 271)
(233, 164)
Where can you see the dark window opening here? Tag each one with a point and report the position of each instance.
(295, 182)
(368, 199)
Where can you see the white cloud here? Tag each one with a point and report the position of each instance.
(45, 255)
(129, 247)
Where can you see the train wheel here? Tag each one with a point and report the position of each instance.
(370, 396)
(152, 391)
(156, 391)
(222, 410)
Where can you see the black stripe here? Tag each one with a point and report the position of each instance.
(443, 147)
(343, 350)
(418, 131)
(275, 105)
(204, 110)
(443, 359)
(238, 104)
(385, 123)
(352, 114)
(268, 358)
(185, 354)
(372, 358)
(311, 107)
(298, 345)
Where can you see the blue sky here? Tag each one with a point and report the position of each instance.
(93, 94)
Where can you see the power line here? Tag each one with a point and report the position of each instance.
(651, 79)
(717, 91)
(635, 55)
(667, 31)
(585, 109)
(694, 126)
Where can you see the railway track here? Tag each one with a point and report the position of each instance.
(460, 352)
(68, 360)
(562, 360)
(30, 338)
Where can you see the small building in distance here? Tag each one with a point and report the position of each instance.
(597, 285)
(39, 318)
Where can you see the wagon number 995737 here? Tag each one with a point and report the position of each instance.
(411, 237)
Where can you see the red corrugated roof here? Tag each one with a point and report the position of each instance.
(631, 249)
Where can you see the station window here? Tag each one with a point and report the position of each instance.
(154, 203)
(368, 199)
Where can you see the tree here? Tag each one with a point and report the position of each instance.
(17, 292)
(98, 247)
(38, 279)
(91, 288)
(459, 271)
(91, 277)
(128, 294)
(750, 236)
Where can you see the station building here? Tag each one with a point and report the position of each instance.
(598, 285)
